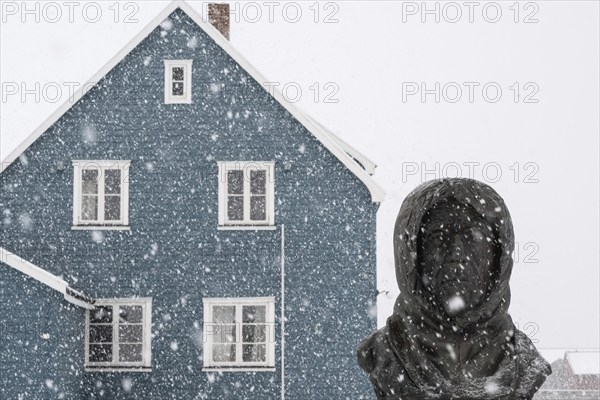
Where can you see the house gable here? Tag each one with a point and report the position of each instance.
(357, 163)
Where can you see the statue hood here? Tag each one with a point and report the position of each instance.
(487, 203)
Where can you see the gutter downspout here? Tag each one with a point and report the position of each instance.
(282, 312)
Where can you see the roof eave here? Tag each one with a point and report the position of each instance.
(41, 275)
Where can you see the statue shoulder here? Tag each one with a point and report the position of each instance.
(534, 369)
(526, 350)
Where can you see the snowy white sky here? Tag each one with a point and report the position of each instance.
(374, 54)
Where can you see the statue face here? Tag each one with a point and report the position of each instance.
(457, 252)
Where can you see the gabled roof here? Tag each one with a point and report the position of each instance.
(71, 295)
(584, 362)
(351, 158)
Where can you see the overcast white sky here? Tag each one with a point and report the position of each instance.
(370, 57)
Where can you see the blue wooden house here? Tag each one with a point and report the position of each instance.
(176, 231)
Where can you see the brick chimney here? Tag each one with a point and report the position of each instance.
(218, 16)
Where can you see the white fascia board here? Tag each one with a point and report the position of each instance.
(45, 277)
(366, 163)
(377, 193)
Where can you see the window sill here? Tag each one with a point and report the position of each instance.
(238, 369)
(117, 369)
(100, 228)
(178, 101)
(246, 227)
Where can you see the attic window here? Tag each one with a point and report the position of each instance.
(178, 81)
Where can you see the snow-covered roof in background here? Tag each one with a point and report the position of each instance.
(584, 362)
(350, 157)
(45, 277)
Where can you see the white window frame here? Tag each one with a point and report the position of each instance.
(186, 98)
(247, 167)
(117, 365)
(100, 166)
(238, 365)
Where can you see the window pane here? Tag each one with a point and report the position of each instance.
(235, 208)
(224, 352)
(101, 333)
(112, 208)
(130, 352)
(258, 182)
(224, 333)
(224, 314)
(130, 334)
(112, 181)
(89, 208)
(177, 73)
(100, 352)
(254, 353)
(258, 208)
(254, 314)
(131, 314)
(89, 181)
(101, 314)
(235, 182)
(177, 88)
(254, 333)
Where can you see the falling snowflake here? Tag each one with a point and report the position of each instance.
(192, 42)
(167, 24)
(97, 236)
(127, 384)
(455, 304)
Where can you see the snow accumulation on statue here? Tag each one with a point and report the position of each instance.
(450, 336)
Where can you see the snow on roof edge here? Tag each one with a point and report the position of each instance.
(356, 155)
(328, 140)
(583, 362)
(41, 275)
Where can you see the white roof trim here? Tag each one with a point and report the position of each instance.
(45, 277)
(584, 362)
(333, 145)
(365, 162)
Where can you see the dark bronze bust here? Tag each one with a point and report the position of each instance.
(450, 336)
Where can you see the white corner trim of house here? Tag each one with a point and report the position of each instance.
(71, 295)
